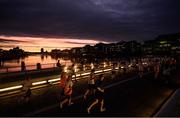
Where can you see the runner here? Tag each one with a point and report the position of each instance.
(141, 69)
(72, 72)
(166, 73)
(91, 84)
(113, 71)
(63, 81)
(99, 95)
(156, 70)
(26, 89)
(67, 92)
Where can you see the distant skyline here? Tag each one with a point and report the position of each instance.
(34, 44)
(35, 24)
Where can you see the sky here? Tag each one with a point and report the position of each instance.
(61, 24)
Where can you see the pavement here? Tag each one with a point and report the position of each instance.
(125, 95)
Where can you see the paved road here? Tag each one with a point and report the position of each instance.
(124, 97)
(138, 97)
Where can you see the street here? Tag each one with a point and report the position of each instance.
(126, 95)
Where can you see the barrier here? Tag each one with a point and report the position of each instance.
(50, 81)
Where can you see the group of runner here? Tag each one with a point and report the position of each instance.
(95, 89)
(161, 67)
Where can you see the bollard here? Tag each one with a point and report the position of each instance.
(38, 66)
(23, 66)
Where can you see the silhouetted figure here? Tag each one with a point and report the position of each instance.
(67, 92)
(63, 80)
(72, 72)
(166, 73)
(156, 70)
(26, 89)
(141, 69)
(91, 84)
(58, 64)
(99, 95)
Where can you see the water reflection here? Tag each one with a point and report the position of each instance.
(34, 59)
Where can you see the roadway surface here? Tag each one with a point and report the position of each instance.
(126, 95)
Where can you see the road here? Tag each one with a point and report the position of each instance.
(126, 95)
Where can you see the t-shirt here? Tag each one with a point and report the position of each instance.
(140, 67)
(68, 88)
(91, 79)
(63, 81)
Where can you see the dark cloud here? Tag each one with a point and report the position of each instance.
(73, 42)
(12, 41)
(90, 19)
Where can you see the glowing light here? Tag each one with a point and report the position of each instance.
(98, 71)
(84, 67)
(105, 64)
(122, 67)
(92, 66)
(26, 43)
(76, 75)
(65, 69)
(75, 68)
(107, 69)
(37, 83)
(144, 63)
(85, 74)
(54, 80)
(163, 42)
(11, 88)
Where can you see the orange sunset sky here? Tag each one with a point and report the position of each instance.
(34, 44)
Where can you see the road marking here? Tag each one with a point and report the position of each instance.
(11, 88)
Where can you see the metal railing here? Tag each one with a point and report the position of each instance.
(53, 80)
(27, 68)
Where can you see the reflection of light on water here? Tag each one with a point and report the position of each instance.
(33, 60)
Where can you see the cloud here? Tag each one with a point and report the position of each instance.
(105, 20)
(2, 40)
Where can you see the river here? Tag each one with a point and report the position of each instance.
(34, 59)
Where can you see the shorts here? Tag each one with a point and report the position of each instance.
(99, 95)
(91, 86)
(62, 92)
(63, 97)
(28, 93)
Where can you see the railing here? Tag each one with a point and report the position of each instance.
(28, 68)
(53, 81)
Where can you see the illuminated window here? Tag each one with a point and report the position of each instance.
(163, 42)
